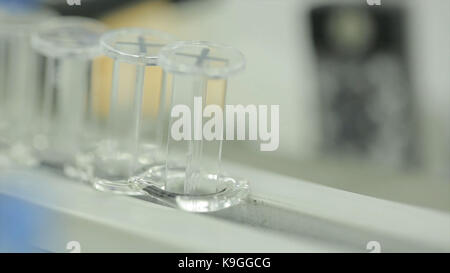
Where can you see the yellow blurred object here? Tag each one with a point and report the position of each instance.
(133, 16)
(144, 14)
(101, 85)
(152, 90)
(215, 92)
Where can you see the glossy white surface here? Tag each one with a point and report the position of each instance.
(283, 215)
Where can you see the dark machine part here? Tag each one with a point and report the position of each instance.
(367, 105)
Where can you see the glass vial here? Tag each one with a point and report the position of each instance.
(69, 46)
(196, 76)
(20, 81)
(132, 142)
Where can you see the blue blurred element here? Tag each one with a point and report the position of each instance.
(19, 5)
(18, 224)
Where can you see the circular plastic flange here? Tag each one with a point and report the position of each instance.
(84, 171)
(118, 187)
(230, 191)
(70, 36)
(135, 45)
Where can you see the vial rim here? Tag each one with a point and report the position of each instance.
(169, 65)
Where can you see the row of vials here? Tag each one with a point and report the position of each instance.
(98, 103)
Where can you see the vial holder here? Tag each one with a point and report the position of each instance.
(195, 80)
(133, 139)
(69, 46)
(20, 81)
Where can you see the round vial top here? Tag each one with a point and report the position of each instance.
(15, 22)
(69, 37)
(135, 45)
(201, 58)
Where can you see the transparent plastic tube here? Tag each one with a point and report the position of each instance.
(69, 46)
(132, 143)
(20, 84)
(191, 178)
